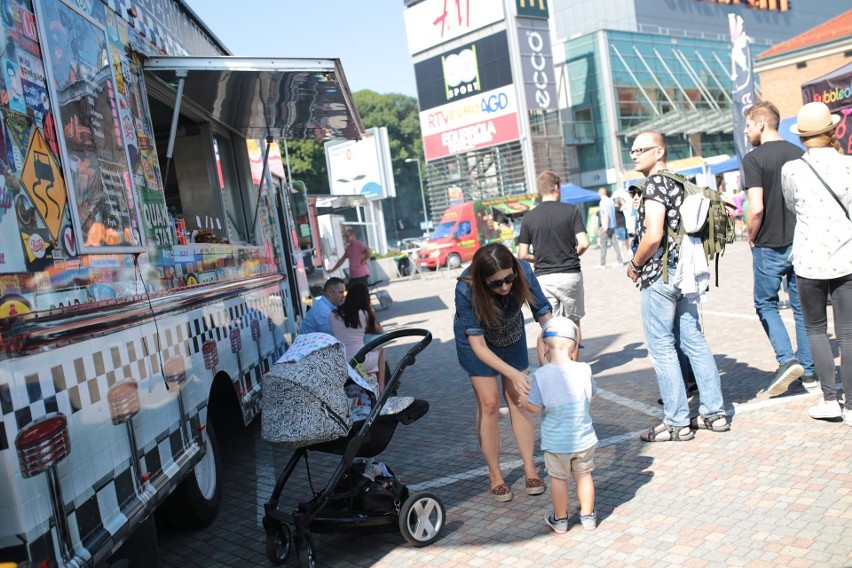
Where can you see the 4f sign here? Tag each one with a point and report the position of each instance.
(532, 8)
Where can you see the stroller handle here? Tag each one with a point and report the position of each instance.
(396, 334)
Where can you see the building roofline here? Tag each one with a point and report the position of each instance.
(805, 53)
(835, 29)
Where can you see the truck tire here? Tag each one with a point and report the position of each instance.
(453, 261)
(195, 502)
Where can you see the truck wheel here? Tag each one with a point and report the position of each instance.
(195, 503)
(453, 261)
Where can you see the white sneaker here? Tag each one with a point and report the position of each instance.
(826, 410)
(847, 417)
(589, 522)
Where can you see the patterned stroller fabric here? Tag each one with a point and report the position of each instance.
(304, 401)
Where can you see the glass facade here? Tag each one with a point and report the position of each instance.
(630, 62)
(641, 77)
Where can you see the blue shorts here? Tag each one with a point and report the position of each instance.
(621, 233)
(516, 355)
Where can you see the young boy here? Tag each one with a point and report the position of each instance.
(564, 389)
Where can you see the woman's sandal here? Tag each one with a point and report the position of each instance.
(502, 493)
(715, 423)
(664, 433)
(535, 486)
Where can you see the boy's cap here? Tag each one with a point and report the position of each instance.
(560, 327)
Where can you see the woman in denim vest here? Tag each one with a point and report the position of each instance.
(491, 344)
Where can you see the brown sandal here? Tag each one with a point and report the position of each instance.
(502, 493)
(535, 486)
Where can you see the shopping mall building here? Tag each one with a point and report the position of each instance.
(496, 107)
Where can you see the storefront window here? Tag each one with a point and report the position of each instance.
(97, 170)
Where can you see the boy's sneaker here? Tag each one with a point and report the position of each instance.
(784, 376)
(826, 411)
(559, 526)
(589, 522)
(847, 417)
(810, 382)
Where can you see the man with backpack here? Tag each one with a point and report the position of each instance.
(663, 304)
(770, 234)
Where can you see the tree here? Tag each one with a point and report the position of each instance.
(400, 115)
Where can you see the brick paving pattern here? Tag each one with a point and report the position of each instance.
(775, 491)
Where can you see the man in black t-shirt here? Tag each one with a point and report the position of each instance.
(770, 234)
(558, 237)
(669, 317)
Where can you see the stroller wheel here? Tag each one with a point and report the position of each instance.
(422, 518)
(307, 551)
(278, 545)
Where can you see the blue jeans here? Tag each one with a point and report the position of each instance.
(771, 265)
(663, 309)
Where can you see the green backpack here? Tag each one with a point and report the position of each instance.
(716, 232)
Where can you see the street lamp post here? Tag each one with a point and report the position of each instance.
(422, 195)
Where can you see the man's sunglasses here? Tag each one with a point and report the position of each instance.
(494, 284)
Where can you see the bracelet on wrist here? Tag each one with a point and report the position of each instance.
(634, 268)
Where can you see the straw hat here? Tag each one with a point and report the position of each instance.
(813, 119)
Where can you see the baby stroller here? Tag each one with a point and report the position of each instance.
(351, 502)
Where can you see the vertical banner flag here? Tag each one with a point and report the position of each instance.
(742, 92)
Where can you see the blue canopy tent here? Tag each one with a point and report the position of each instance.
(572, 193)
(729, 165)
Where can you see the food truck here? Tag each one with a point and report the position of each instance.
(465, 227)
(149, 266)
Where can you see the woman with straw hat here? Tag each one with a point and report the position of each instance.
(818, 187)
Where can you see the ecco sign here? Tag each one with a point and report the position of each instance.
(537, 63)
(535, 41)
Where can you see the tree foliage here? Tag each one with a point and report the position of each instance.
(399, 114)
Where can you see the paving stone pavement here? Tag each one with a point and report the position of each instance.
(774, 491)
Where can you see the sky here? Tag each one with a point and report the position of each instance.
(368, 36)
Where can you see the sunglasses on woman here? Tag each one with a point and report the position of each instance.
(494, 284)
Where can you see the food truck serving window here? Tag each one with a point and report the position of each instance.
(80, 74)
(222, 101)
(206, 184)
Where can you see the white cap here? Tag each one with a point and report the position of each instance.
(560, 327)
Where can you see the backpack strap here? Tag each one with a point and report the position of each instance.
(676, 236)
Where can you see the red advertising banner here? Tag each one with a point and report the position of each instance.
(482, 134)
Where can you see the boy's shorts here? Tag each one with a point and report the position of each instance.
(560, 465)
